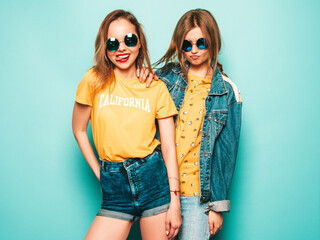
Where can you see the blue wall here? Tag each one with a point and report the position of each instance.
(270, 49)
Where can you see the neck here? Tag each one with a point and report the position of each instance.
(203, 70)
(126, 73)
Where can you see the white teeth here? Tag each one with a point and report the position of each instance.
(123, 56)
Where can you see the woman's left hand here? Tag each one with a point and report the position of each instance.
(173, 220)
(215, 220)
(144, 74)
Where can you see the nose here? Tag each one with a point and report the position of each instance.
(122, 46)
(194, 48)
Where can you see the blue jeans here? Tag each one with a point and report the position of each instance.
(194, 220)
(134, 188)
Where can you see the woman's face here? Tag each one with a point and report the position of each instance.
(196, 56)
(124, 57)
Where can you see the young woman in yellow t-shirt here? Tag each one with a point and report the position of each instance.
(136, 184)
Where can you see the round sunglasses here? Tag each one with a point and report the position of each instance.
(130, 40)
(201, 44)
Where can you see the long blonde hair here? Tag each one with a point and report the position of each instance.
(194, 18)
(103, 66)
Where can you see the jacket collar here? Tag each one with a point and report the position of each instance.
(217, 84)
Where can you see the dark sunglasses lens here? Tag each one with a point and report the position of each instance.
(186, 46)
(112, 44)
(202, 43)
(131, 40)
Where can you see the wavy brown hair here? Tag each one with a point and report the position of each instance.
(194, 18)
(103, 66)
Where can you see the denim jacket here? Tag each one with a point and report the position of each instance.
(220, 133)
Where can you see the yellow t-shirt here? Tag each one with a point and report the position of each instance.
(123, 121)
(188, 134)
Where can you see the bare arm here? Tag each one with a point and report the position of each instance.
(167, 135)
(80, 120)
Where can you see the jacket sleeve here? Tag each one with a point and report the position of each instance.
(224, 156)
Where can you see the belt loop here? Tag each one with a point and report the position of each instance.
(103, 165)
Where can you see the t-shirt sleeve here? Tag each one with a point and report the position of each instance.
(165, 104)
(84, 90)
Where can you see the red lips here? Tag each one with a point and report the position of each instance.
(123, 57)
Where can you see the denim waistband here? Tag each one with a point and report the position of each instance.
(128, 162)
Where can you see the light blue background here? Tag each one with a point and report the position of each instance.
(270, 50)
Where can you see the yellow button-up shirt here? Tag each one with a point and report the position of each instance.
(188, 134)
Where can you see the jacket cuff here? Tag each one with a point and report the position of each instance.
(218, 206)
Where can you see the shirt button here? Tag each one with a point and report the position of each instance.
(209, 99)
(209, 118)
(206, 154)
(127, 164)
(203, 198)
(205, 135)
(206, 179)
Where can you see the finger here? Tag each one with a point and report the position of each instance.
(211, 228)
(171, 232)
(167, 227)
(150, 78)
(176, 232)
(145, 74)
(155, 77)
(138, 72)
(215, 230)
(142, 75)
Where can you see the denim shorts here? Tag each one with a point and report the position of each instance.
(134, 188)
(194, 220)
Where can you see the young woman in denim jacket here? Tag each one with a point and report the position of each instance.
(122, 112)
(208, 124)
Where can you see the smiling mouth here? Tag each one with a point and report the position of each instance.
(122, 57)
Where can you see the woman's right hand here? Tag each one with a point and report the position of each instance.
(173, 219)
(144, 73)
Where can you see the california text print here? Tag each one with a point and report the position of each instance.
(140, 103)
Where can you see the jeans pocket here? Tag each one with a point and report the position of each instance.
(154, 176)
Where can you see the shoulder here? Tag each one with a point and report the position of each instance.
(90, 75)
(158, 85)
(169, 73)
(231, 88)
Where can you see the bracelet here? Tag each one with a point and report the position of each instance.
(174, 178)
(174, 191)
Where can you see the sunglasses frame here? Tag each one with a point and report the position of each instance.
(126, 40)
(200, 45)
